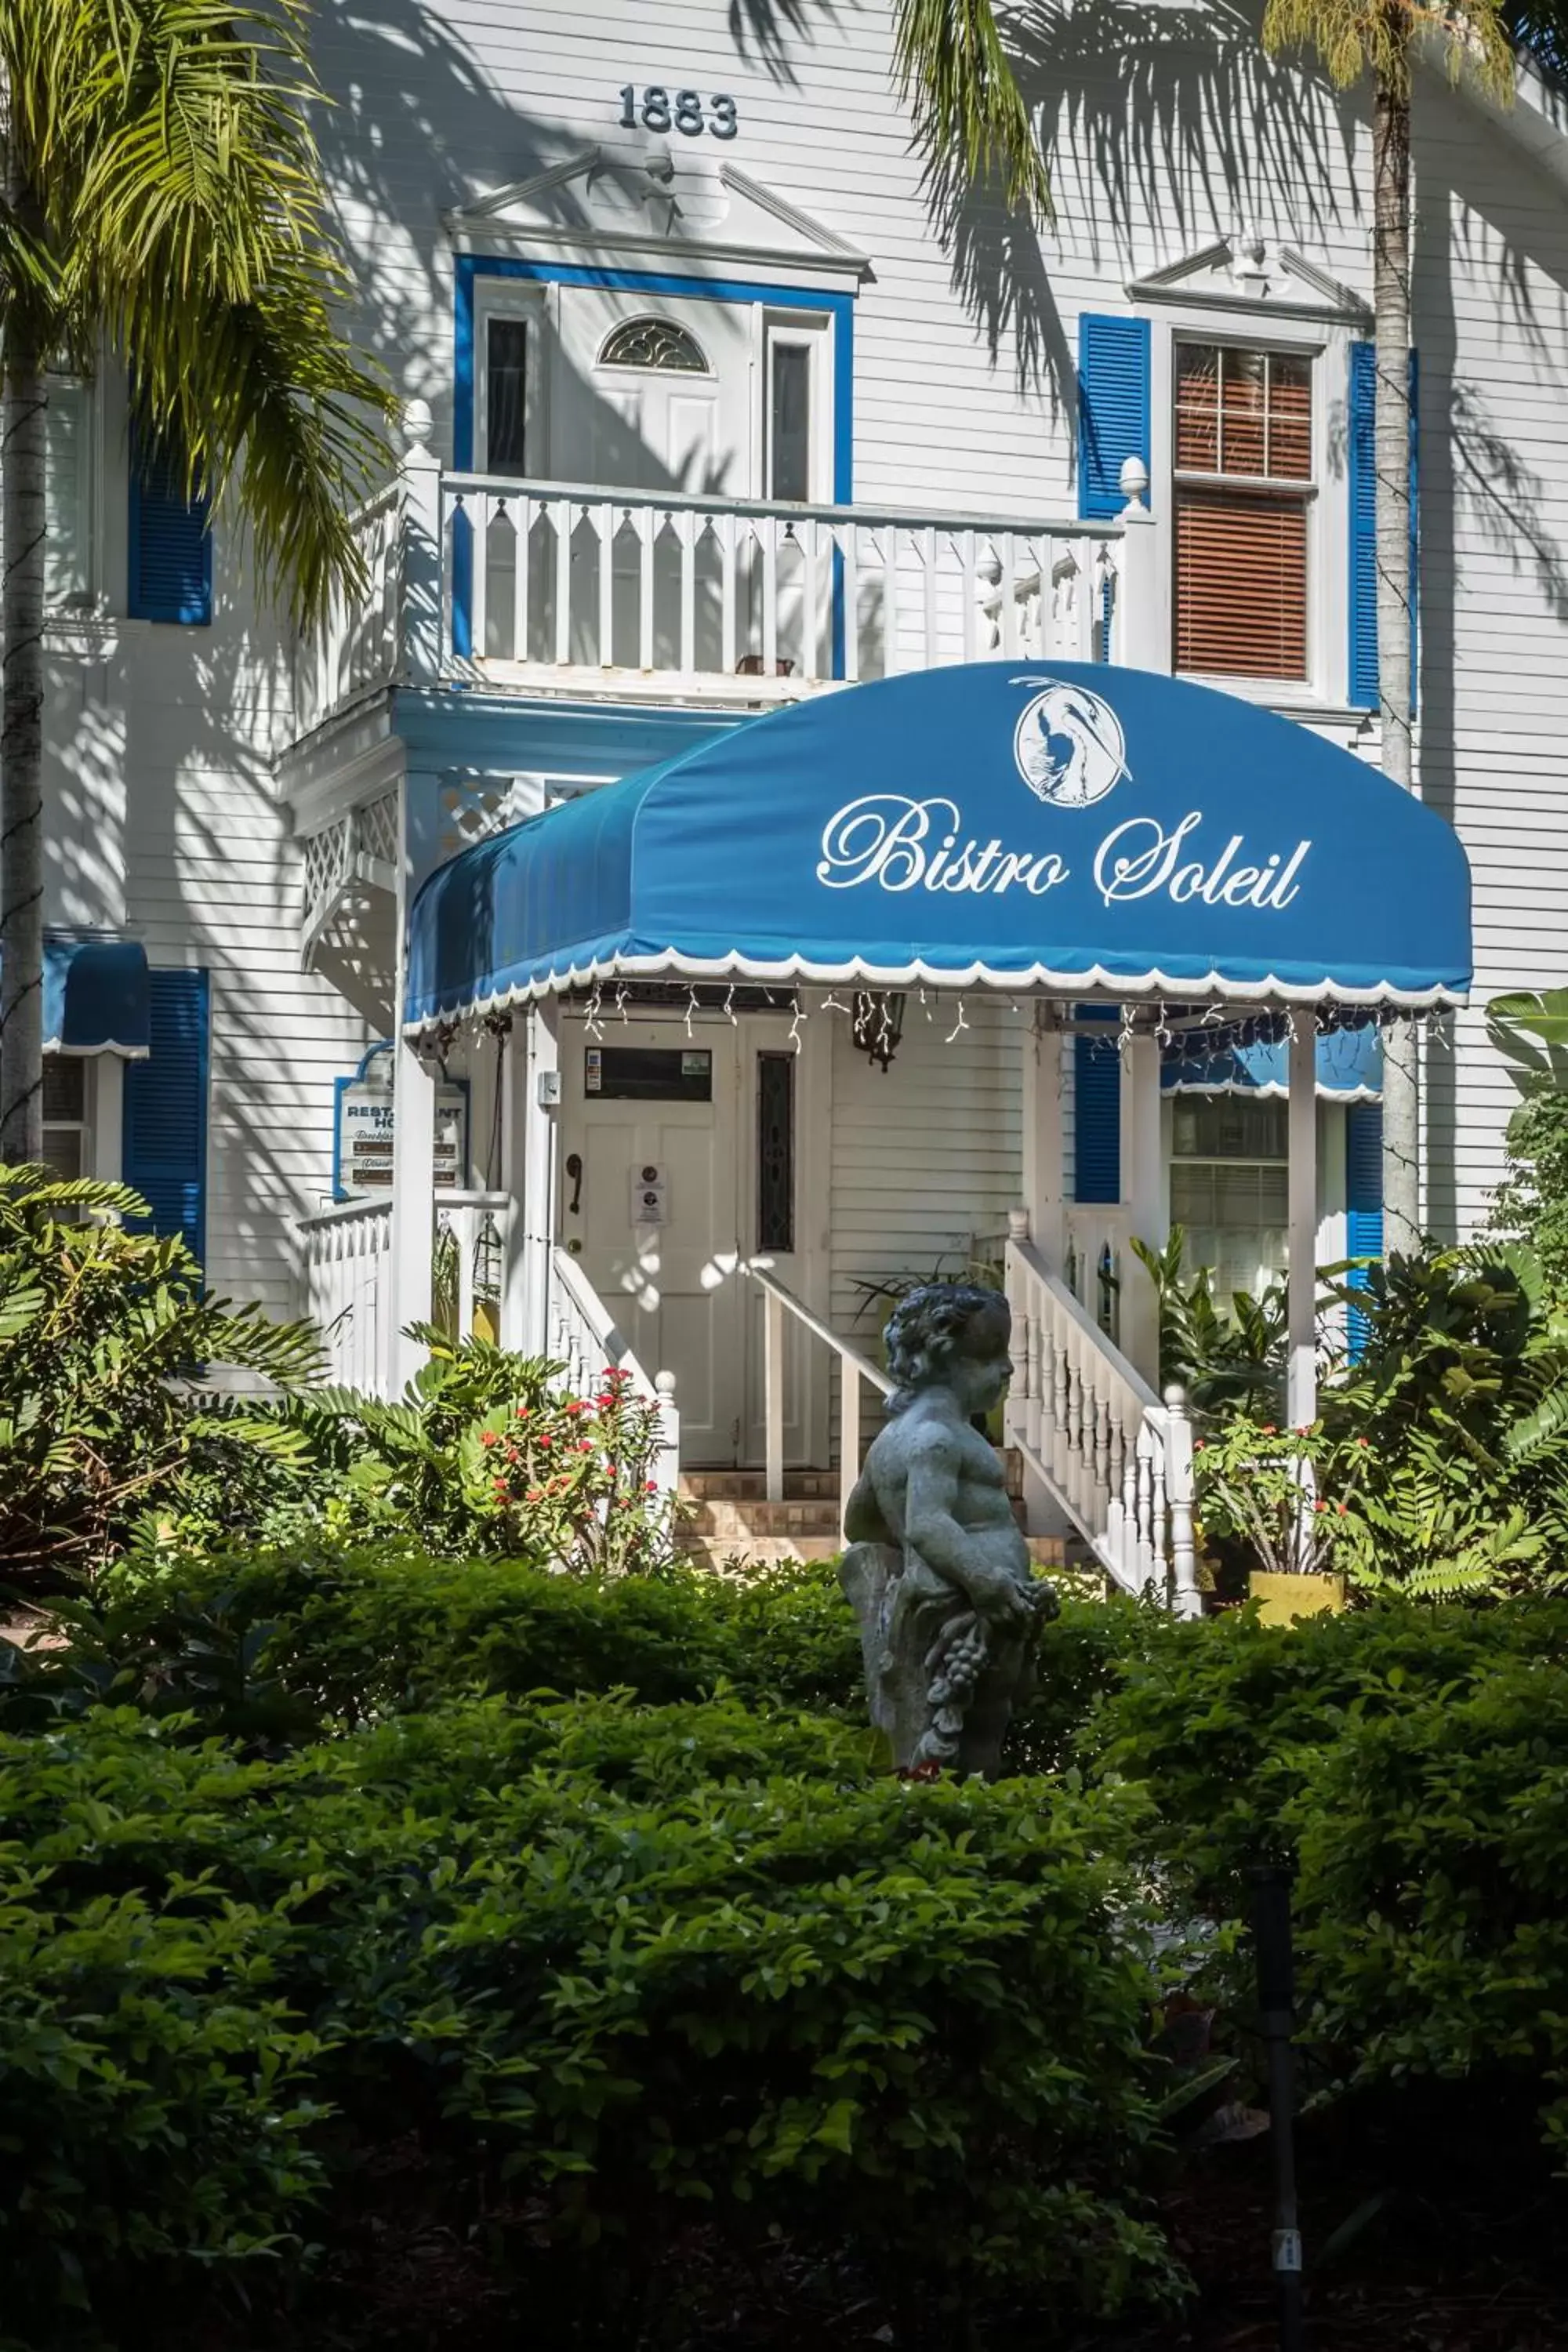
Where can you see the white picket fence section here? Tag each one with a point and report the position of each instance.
(348, 1261)
(1115, 1456)
(584, 1338)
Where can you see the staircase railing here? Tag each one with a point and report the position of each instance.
(585, 1338)
(778, 1301)
(1115, 1457)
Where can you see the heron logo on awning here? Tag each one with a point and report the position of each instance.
(1069, 745)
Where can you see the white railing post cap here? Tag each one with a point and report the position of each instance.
(1175, 1397)
(1018, 1225)
(1133, 479)
(665, 1383)
(418, 427)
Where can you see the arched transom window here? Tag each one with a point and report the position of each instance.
(653, 343)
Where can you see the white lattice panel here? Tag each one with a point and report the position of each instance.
(472, 811)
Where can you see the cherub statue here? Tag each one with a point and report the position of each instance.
(938, 1572)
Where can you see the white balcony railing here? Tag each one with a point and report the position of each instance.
(544, 577)
(528, 586)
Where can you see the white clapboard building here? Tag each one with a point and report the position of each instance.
(719, 448)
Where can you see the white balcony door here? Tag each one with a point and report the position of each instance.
(654, 395)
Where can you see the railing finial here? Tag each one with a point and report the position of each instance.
(417, 423)
(665, 1383)
(1018, 1225)
(1134, 481)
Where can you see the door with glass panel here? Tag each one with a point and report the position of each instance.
(647, 1203)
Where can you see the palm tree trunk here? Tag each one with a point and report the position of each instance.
(22, 442)
(1391, 304)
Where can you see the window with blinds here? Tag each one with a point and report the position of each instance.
(1243, 491)
(1229, 1185)
(67, 495)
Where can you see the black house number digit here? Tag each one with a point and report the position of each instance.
(686, 110)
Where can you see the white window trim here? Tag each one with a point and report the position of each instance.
(86, 601)
(1326, 687)
(812, 331)
(510, 298)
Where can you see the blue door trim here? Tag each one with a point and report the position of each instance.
(840, 308)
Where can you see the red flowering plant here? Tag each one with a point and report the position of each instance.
(1284, 1500)
(573, 1481)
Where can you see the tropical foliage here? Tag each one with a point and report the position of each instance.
(102, 1331)
(166, 204)
(484, 1454)
(1228, 1357)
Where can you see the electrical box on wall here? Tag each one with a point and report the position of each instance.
(649, 1206)
(549, 1088)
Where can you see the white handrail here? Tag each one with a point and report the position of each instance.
(586, 1339)
(1110, 1452)
(778, 1300)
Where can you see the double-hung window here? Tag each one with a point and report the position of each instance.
(1228, 1188)
(1243, 496)
(67, 1122)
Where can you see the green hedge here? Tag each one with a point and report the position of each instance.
(605, 1967)
(282, 1647)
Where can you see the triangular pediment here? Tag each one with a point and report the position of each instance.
(673, 206)
(1253, 272)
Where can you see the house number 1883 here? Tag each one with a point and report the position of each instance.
(686, 110)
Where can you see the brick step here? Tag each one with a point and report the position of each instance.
(723, 1517)
(752, 1485)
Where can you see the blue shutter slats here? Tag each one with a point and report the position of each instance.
(171, 548)
(1364, 1202)
(165, 1140)
(1362, 470)
(1097, 1111)
(1112, 408)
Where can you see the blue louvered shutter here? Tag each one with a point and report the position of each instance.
(164, 1143)
(1097, 1111)
(170, 544)
(1362, 468)
(1364, 1202)
(1112, 408)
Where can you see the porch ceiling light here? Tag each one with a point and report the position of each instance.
(877, 1023)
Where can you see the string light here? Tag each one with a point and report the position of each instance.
(831, 1003)
(729, 1006)
(690, 1004)
(959, 1025)
(794, 1026)
(1124, 1040)
(925, 1008)
(621, 999)
(592, 1016)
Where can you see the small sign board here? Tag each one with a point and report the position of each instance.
(366, 1118)
(649, 1196)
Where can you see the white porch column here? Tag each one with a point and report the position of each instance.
(1301, 1210)
(1143, 1196)
(413, 1207)
(413, 1149)
(1043, 1193)
(538, 1173)
(511, 1176)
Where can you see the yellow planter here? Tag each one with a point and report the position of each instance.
(1284, 1598)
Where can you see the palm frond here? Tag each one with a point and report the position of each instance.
(971, 116)
(169, 146)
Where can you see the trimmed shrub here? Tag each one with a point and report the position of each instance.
(607, 1969)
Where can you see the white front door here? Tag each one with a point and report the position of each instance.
(647, 1199)
(681, 1153)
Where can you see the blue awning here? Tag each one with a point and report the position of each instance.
(1350, 1065)
(96, 996)
(1055, 827)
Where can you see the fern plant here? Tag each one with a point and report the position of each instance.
(108, 1420)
